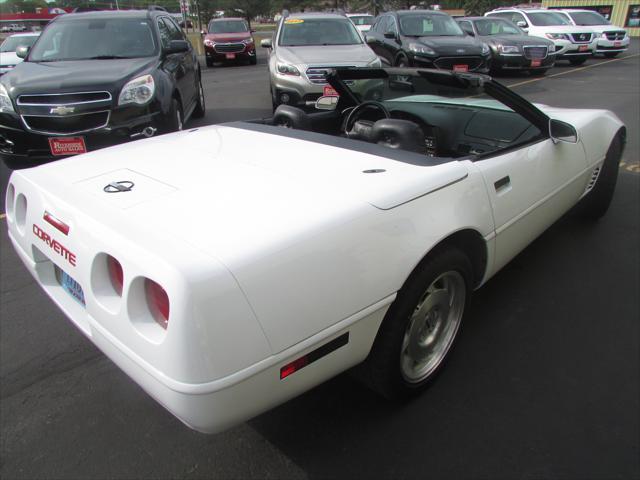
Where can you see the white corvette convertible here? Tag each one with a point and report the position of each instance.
(229, 268)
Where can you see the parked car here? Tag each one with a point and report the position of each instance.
(8, 57)
(95, 79)
(611, 40)
(275, 258)
(427, 38)
(362, 21)
(229, 39)
(575, 44)
(511, 48)
(306, 46)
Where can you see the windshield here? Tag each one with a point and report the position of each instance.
(12, 43)
(588, 18)
(429, 25)
(496, 26)
(548, 19)
(362, 19)
(103, 38)
(297, 32)
(228, 26)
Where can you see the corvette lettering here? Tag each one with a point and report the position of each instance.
(55, 245)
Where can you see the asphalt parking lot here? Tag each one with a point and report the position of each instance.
(543, 382)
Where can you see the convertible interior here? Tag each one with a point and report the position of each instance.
(456, 121)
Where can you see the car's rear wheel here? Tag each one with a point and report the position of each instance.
(577, 61)
(199, 111)
(421, 325)
(402, 62)
(611, 54)
(596, 203)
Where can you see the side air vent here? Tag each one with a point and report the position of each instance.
(593, 180)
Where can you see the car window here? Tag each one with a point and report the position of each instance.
(588, 18)
(417, 25)
(362, 19)
(228, 26)
(12, 43)
(175, 32)
(497, 26)
(466, 26)
(165, 33)
(545, 19)
(516, 17)
(94, 38)
(318, 31)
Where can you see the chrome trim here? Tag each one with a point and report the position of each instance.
(546, 48)
(60, 94)
(315, 72)
(24, 121)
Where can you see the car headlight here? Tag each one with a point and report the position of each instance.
(557, 36)
(485, 49)
(208, 42)
(375, 63)
(509, 49)
(247, 41)
(419, 48)
(286, 69)
(6, 105)
(139, 91)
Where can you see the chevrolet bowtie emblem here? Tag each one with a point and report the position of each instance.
(62, 110)
(116, 187)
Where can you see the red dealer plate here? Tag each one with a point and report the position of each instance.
(231, 56)
(583, 48)
(461, 68)
(67, 145)
(329, 91)
(536, 63)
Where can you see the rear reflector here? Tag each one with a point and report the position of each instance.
(115, 274)
(311, 357)
(158, 302)
(59, 224)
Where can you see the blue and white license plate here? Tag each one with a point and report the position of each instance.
(73, 288)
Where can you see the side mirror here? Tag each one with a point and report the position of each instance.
(369, 39)
(562, 132)
(22, 51)
(469, 32)
(177, 46)
(390, 35)
(327, 103)
(266, 43)
(522, 24)
(252, 30)
(203, 32)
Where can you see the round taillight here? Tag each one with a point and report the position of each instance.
(158, 302)
(115, 274)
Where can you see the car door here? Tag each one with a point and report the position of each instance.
(375, 37)
(531, 186)
(392, 45)
(181, 66)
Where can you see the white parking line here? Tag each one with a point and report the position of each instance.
(573, 70)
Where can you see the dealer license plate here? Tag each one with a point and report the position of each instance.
(461, 68)
(69, 285)
(536, 63)
(583, 48)
(230, 56)
(617, 44)
(67, 145)
(329, 91)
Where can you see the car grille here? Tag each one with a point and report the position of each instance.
(447, 63)
(229, 47)
(83, 122)
(317, 75)
(615, 35)
(535, 53)
(66, 113)
(581, 37)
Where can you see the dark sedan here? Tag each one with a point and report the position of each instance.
(511, 48)
(426, 38)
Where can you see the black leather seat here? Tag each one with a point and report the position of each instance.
(291, 117)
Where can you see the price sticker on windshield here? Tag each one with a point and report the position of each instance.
(293, 21)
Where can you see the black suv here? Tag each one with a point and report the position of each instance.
(96, 79)
(426, 39)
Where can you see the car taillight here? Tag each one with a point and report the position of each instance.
(158, 302)
(115, 274)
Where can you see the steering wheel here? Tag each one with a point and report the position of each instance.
(356, 113)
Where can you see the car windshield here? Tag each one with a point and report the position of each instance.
(548, 19)
(588, 18)
(362, 19)
(298, 32)
(228, 26)
(496, 26)
(12, 43)
(94, 38)
(417, 25)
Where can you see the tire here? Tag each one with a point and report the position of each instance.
(611, 54)
(209, 62)
(400, 364)
(538, 72)
(175, 122)
(596, 203)
(402, 62)
(199, 111)
(577, 61)
(274, 100)
(253, 60)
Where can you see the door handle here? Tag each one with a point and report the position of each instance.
(503, 184)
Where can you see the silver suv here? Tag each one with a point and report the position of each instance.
(304, 48)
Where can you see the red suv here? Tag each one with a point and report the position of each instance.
(229, 39)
